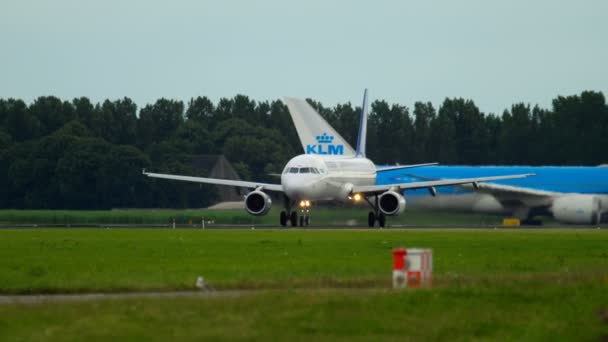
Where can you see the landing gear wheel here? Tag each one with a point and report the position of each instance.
(293, 218)
(283, 218)
(301, 221)
(381, 220)
(371, 219)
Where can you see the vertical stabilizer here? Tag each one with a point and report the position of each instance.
(362, 136)
(316, 135)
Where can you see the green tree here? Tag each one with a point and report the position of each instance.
(394, 126)
(470, 134)
(424, 114)
(581, 122)
(159, 121)
(347, 122)
(281, 121)
(201, 110)
(74, 128)
(18, 121)
(121, 180)
(516, 133)
(51, 112)
(193, 138)
(117, 121)
(442, 143)
(5, 140)
(80, 168)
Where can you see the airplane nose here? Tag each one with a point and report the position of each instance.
(298, 187)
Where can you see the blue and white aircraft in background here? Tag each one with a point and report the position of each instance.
(331, 171)
(576, 195)
(570, 194)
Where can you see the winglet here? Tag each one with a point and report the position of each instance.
(362, 137)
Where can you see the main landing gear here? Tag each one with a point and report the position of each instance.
(292, 216)
(375, 215)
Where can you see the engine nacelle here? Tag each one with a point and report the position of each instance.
(257, 203)
(577, 209)
(391, 203)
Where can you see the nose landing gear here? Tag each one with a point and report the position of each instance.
(305, 213)
(292, 216)
(305, 218)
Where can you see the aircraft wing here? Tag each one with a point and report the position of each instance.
(376, 189)
(218, 181)
(501, 189)
(401, 167)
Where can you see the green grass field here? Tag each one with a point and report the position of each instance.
(326, 285)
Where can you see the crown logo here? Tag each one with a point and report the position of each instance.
(325, 139)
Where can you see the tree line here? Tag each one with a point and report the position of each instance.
(83, 155)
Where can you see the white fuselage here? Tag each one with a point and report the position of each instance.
(313, 177)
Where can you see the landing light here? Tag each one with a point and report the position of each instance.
(304, 204)
(357, 197)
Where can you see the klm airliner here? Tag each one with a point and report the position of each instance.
(331, 170)
(577, 195)
(570, 194)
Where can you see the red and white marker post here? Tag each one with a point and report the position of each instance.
(412, 267)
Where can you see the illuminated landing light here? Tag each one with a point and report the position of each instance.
(357, 197)
(304, 204)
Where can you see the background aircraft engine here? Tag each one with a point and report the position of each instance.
(578, 209)
(391, 203)
(257, 203)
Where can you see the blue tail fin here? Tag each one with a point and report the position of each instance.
(362, 128)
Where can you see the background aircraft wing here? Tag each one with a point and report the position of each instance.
(499, 190)
(503, 190)
(376, 189)
(218, 181)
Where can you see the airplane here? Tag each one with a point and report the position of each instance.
(331, 170)
(569, 194)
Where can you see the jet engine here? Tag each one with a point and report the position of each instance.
(391, 203)
(257, 203)
(577, 209)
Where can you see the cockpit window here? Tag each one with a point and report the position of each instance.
(304, 170)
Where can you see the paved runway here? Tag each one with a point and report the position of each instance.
(268, 226)
(87, 297)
